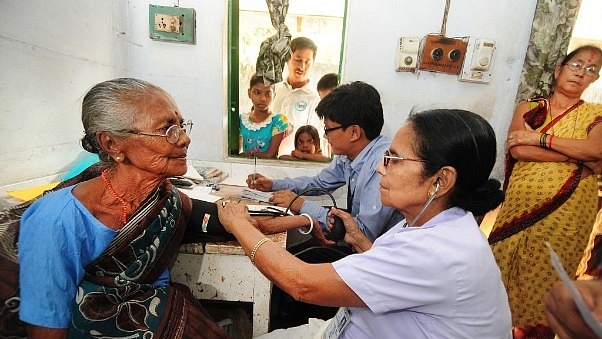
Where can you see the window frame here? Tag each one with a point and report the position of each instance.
(233, 91)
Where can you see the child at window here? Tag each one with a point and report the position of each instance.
(261, 131)
(307, 145)
(326, 84)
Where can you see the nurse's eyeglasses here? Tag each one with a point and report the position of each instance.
(388, 157)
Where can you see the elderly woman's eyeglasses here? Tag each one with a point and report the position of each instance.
(388, 157)
(577, 66)
(172, 134)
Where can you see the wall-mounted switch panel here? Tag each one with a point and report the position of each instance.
(442, 54)
(167, 23)
(478, 60)
(173, 24)
(406, 56)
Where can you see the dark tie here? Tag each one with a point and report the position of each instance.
(350, 191)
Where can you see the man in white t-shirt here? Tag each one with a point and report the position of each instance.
(296, 97)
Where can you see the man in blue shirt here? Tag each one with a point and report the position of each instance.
(353, 120)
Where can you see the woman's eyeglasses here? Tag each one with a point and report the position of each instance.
(388, 157)
(577, 66)
(172, 134)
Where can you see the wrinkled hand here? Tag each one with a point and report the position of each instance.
(351, 226)
(562, 314)
(353, 233)
(234, 214)
(284, 198)
(259, 182)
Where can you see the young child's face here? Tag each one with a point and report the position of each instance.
(305, 144)
(261, 96)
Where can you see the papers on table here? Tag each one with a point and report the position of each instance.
(200, 193)
(193, 174)
(254, 194)
(233, 181)
(211, 175)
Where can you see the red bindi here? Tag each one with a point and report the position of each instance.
(592, 55)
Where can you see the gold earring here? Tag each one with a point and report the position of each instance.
(118, 159)
(431, 193)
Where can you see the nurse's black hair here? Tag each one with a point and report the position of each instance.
(465, 141)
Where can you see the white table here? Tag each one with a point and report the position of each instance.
(222, 271)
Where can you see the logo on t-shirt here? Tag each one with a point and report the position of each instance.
(300, 105)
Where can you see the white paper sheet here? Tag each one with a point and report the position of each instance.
(193, 174)
(200, 193)
(254, 194)
(232, 181)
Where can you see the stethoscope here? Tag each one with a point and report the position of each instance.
(426, 204)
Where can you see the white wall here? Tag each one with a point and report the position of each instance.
(51, 52)
(375, 25)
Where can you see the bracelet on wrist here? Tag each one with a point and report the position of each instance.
(311, 224)
(256, 247)
(543, 140)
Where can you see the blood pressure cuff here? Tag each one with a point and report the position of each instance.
(204, 225)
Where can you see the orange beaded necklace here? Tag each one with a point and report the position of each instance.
(120, 199)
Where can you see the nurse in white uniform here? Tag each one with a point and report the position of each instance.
(431, 276)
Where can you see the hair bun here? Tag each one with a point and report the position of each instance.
(486, 198)
(89, 144)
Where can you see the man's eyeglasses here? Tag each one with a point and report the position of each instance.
(326, 130)
(388, 157)
(577, 66)
(172, 134)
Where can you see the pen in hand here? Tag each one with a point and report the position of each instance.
(254, 169)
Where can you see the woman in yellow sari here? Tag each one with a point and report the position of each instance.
(554, 151)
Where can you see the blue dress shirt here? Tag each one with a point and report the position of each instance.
(364, 188)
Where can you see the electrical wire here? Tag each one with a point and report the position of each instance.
(426, 204)
(445, 13)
